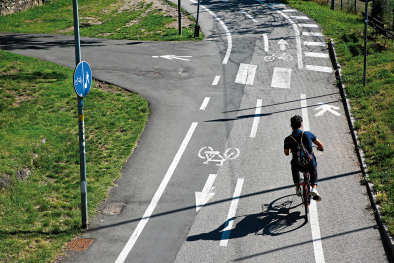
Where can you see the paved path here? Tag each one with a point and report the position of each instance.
(219, 116)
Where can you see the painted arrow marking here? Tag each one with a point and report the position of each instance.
(282, 44)
(324, 108)
(203, 197)
(171, 57)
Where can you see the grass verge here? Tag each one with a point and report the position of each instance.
(39, 133)
(373, 104)
(154, 20)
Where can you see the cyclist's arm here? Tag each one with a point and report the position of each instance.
(287, 151)
(319, 145)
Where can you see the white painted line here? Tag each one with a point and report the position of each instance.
(278, 5)
(296, 31)
(203, 197)
(289, 11)
(319, 68)
(316, 55)
(307, 25)
(320, 44)
(205, 103)
(216, 81)
(144, 220)
(251, 17)
(304, 111)
(266, 45)
(246, 73)
(312, 34)
(229, 39)
(281, 78)
(314, 219)
(231, 213)
(300, 17)
(256, 120)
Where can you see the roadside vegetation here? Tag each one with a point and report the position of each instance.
(39, 133)
(154, 20)
(372, 105)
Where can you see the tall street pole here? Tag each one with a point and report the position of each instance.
(365, 42)
(179, 17)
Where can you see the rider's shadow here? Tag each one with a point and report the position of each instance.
(276, 219)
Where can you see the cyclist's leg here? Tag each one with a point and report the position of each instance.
(296, 175)
(314, 176)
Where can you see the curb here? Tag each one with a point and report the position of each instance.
(360, 155)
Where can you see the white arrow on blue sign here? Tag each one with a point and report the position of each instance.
(82, 79)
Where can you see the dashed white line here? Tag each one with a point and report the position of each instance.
(278, 5)
(246, 73)
(300, 17)
(316, 55)
(307, 25)
(216, 81)
(321, 44)
(231, 213)
(281, 78)
(205, 103)
(289, 11)
(251, 17)
(137, 231)
(266, 45)
(314, 219)
(256, 120)
(312, 34)
(319, 68)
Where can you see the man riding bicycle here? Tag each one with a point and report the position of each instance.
(291, 144)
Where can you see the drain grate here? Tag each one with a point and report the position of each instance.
(146, 73)
(80, 244)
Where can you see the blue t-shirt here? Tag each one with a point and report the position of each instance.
(307, 140)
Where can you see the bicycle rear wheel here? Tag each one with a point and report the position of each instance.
(306, 196)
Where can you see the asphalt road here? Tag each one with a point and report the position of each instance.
(229, 147)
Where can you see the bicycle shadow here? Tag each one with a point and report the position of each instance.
(276, 219)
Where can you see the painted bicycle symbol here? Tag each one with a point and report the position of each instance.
(283, 56)
(214, 156)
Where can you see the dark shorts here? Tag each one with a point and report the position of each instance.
(296, 169)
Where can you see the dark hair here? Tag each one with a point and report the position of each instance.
(296, 121)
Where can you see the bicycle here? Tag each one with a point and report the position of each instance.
(306, 196)
(283, 56)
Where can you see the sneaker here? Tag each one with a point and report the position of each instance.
(298, 192)
(315, 195)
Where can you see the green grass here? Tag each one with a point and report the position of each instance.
(109, 19)
(39, 132)
(372, 105)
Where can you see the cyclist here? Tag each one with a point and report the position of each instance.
(291, 143)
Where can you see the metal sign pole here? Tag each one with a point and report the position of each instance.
(84, 199)
(197, 28)
(365, 42)
(179, 17)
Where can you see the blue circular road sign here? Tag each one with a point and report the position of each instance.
(82, 79)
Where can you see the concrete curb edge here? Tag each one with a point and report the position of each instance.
(360, 155)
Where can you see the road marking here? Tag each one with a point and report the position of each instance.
(265, 42)
(171, 57)
(307, 25)
(296, 31)
(304, 111)
(251, 17)
(246, 73)
(289, 10)
(316, 55)
(282, 44)
(208, 153)
(319, 68)
(144, 220)
(203, 197)
(312, 34)
(314, 219)
(300, 17)
(324, 107)
(228, 34)
(278, 5)
(231, 213)
(281, 78)
(205, 103)
(321, 44)
(256, 119)
(216, 81)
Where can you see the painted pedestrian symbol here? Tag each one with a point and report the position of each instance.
(214, 156)
(82, 79)
(324, 108)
